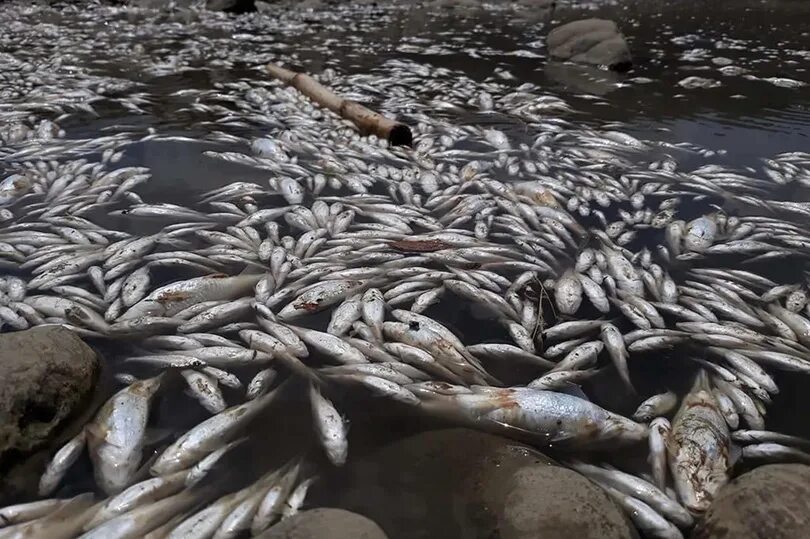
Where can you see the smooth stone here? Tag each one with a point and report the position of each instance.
(590, 41)
(325, 523)
(553, 501)
(48, 380)
(771, 501)
(464, 483)
(46, 374)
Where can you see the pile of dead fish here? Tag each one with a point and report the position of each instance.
(576, 259)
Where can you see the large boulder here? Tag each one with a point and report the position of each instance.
(551, 501)
(325, 524)
(590, 41)
(46, 375)
(772, 501)
(464, 483)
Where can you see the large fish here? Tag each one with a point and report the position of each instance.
(169, 300)
(699, 448)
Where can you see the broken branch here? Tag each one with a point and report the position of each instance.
(367, 121)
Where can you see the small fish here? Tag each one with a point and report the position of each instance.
(660, 430)
(139, 494)
(117, 434)
(638, 488)
(209, 435)
(330, 426)
(774, 452)
(646, 519)
(61, 463)
(656, 406)
(614, 343)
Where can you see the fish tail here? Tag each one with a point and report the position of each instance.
(701, 382)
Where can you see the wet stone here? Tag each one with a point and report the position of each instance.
(464, 483)
(47, 381)
(772, 501)
(46, 375)
(590, 41)
(325, 523)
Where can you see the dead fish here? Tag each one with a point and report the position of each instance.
(174, 297)
(330, 426)
(699, 448)
(656, 406)
(116, 435)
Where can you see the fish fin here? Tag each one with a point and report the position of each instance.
(95, 435)
(669, 444)
(570, 388)
(734, 454)
(534, 436)
(247, 270)
(701, 382)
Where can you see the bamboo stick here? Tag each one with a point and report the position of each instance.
(367, 121)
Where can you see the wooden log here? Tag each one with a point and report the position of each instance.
(367, 121)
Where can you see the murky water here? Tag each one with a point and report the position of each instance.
(185, 80)
(737, 45)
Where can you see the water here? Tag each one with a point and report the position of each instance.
(749, 119)
(185, 78)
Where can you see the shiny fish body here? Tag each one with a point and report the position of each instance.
(117, 434)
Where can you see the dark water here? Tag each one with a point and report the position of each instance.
(745, 117)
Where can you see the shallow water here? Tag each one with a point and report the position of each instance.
(496, 44)
(187, 78)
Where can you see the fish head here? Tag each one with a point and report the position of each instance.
(148, 387)
(697, 475)
(76, 314)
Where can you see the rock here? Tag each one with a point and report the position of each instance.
(325, 524)
(552, 501)
(590, 41)
(464, 483)
(231, 6)
(46, 375)
(772, 501)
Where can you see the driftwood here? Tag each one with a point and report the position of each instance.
(367, 121)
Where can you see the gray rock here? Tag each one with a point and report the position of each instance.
(325, 524)
(772, 501)
(551, 501)
(590, 41)
(464, 483)
(46, 375)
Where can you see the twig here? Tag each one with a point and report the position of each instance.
(367, 121)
